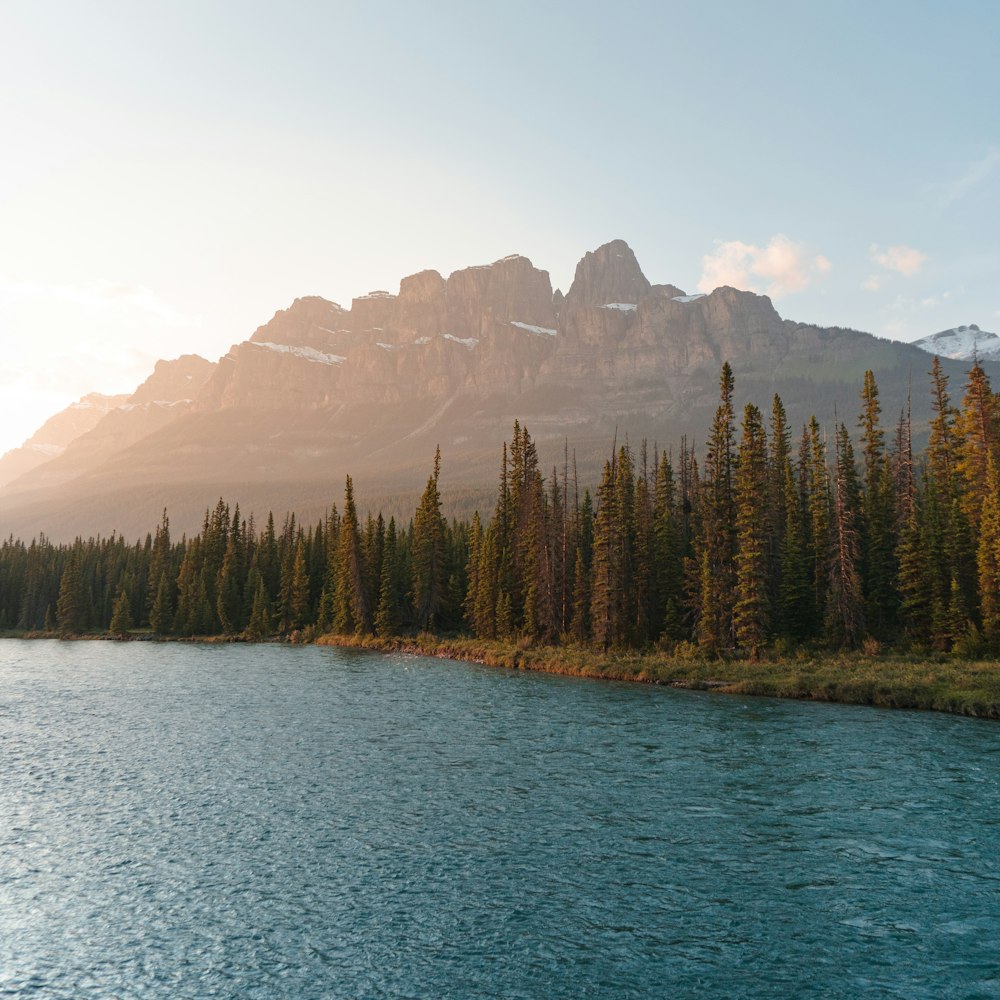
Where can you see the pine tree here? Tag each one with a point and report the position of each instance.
(844, 608)
(778, 484)
(121, 617)
(295, 589)
(389, 611)
(796, 608)
(667, 553)
(818, 506)
(70, 608)
(751, 612)
(988, 554)
(604, 574)
(161, 613)
(979, 439)
(229, 602)
(718, 572)
(259, 624)
(429, 554)
(876, 525)
(350, 609)
(160, 561)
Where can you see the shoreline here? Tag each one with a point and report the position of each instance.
(886, 680)
(957, 687)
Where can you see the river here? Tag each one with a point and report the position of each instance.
(181, 820)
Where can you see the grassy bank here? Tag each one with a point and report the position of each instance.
(889, 680)
(962, 687)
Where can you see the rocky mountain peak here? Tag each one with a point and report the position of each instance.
(308, 322)
(608, 274)
(962, 343)
(174, 381)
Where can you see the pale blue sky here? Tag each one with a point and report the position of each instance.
(171, 174)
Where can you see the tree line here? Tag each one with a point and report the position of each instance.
(762, 542)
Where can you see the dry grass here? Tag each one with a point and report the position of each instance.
(891, 680)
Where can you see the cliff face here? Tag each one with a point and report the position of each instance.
(320, 391)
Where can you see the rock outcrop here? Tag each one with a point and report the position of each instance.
(320, 391)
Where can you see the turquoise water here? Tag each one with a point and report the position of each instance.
(272, 821)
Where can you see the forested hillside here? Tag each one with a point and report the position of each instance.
(774, 536)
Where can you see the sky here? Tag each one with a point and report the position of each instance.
(171, 174)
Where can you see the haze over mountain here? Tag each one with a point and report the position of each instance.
(321, 391)
(56, 433)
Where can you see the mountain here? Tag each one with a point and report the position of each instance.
(51, 439)
(163, 397)
(961, 343)
(320, 391)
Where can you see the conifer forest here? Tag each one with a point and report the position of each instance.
(775, 537)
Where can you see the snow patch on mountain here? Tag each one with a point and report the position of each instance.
(542, 331)
(962, 342)
(306, 353)
(469, 342)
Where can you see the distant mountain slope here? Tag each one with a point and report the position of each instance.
(321, 391)
(961, 343)
(51, 439)
(163, 397)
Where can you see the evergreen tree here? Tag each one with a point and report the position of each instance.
(979, 440)
(667, 553)
(70, 608)
(988, 554)
(121, 617)
(429, 554)
(718, 572)
(350, 609)
(229, 602)
(389, 612)
(161, 613)
(844, 608)
(751, 612)
(259, 624)
(877, 521)
(818, 505)
(796, 609)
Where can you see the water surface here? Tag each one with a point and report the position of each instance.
(270, 821)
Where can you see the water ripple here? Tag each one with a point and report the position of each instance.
(186, 821)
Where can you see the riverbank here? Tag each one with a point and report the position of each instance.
(961, 687)
(938, 683)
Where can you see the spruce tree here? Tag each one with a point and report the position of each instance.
(844, 608)
(121, 616)
(161, 613)
(605, 571)
(988, 554)
(70, 607)
(259, 624)
(751, 612)
(350, 609)
(389, 611)
(718, 571)
(429, 553)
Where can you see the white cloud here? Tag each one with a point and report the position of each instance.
(902, 259)
(872, 283)
(783, 265)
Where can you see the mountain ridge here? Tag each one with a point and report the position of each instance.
(319, 391)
